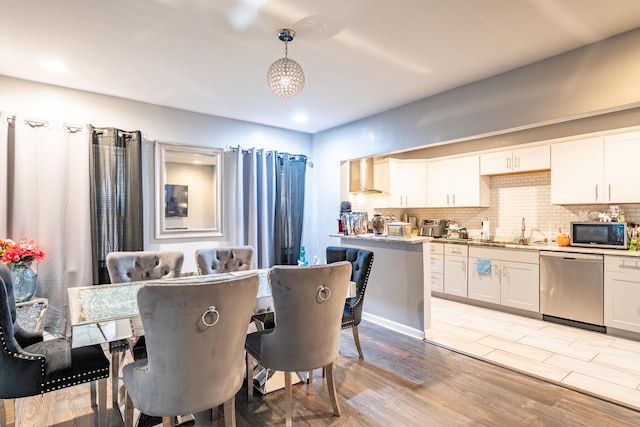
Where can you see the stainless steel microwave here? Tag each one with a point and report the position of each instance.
(612, 235)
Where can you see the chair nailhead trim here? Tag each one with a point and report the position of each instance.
(75, 380)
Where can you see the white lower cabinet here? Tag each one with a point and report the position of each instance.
(622, 293)
(437, 267)
(455, 269)
(513, 278)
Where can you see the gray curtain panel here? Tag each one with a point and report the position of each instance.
(116, 195)
(290, 184)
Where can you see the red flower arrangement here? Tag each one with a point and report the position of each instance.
(20, 254)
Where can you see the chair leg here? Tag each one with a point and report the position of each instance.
(356, 338)
(310, 379)
(331, 385)
(94, 396)
(249, 378)
(288, 400)
(167, 422)
(115, 372)
(128, 410)
(8, 412)
(102, 402)
(230, 412)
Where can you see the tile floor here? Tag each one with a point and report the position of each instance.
(599, 364)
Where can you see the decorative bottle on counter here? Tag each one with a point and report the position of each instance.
(378, 224)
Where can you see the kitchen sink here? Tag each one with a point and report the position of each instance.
(505, 243)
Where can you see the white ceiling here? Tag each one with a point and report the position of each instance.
(360, 57)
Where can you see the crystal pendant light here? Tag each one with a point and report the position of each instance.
(285, 76)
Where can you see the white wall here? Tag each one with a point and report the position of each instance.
(599, 78)
(41, 101)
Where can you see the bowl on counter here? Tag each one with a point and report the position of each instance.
(563, 239)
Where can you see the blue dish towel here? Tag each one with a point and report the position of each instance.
(483, 266)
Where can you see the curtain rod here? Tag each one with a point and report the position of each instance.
(279, 154)
(38, 123)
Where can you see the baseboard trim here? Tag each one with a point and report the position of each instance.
(394, 326)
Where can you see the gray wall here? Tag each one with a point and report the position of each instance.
(57, 104)
(600, 78)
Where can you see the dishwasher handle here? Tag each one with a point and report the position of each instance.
(569, 256)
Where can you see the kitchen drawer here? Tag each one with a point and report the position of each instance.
(437, 248)
(437, 263)
(513, 255)
(437, 282)
(456, 250)
(622, 264)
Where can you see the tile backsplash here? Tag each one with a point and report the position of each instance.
(512, 198)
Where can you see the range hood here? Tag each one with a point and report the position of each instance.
(361, 176)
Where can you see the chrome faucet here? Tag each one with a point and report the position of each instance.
(522, 238)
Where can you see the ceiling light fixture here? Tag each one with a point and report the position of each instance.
(285, 76)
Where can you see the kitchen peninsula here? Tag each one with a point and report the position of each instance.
(398, 295)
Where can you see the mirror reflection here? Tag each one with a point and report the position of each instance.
(188, 191)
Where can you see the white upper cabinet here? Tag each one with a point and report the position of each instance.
(620, 164)
(403, 181)
(577, 171)
(515, 161)
(456, 183)
(594, 170)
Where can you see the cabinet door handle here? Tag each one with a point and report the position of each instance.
(508, 163)
(596, 192)
(497, 271)
(464, 268)
(447, 199)
(516, 163)
(456, 251)
(609, 192)
(453, 196)
(633, 264)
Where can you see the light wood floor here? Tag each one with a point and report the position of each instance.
(401, 382)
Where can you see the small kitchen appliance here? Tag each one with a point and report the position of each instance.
(399, 229)
(434, 227)
(612, 235)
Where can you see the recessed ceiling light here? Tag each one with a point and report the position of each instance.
(300, 118)
(54, 65)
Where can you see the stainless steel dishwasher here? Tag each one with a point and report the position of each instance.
(572, 288)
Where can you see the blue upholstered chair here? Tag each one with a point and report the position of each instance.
(361, 261)
(30, 366)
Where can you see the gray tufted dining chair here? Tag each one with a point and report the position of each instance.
(195, 332)
(30, 365)
(136, 266)
(308, 315)
(224, 260)
(361, 262)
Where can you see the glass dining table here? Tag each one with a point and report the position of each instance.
(105, 313)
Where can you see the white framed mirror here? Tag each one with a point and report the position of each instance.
(188, 191)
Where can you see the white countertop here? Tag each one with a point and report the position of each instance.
(383, 238)
(530, 247)
(542, 247)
